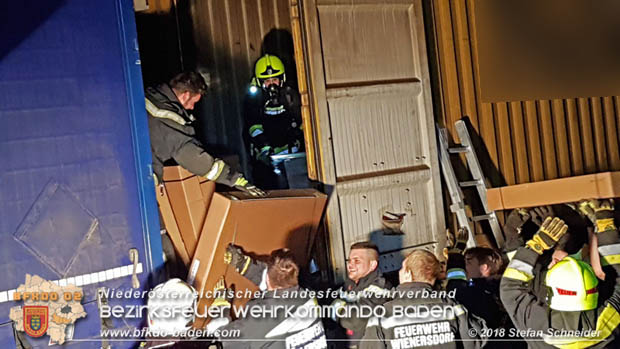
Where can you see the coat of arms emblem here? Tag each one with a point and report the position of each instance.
(35, 320)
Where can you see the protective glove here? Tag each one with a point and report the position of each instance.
(243, 185)
(600, 213)
(456, 243)
(539, 214)
(264, 155)
(515, 221)
(234, 256)
(221, 294)
(548, 235)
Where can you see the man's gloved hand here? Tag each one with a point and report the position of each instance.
(221, 294)
(264, 155)
(515, 221)
(235, 257)
(539, 214)
(222, 300)
(600, 213)
(548, 235)
(456, 243)
(245, 186)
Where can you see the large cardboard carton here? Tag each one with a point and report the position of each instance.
(165, 210)
(555, 191)
(284, 219)
(190, 197)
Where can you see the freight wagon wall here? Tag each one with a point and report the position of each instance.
(527, 141)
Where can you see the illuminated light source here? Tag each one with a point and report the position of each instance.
(253, 89)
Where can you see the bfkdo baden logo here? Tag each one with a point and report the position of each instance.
(35, 320)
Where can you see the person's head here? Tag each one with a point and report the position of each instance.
(363, 260)
(482, 262)
(269, 71)
(177, 295)
(572, 286)
(189, 87)
(420, 266)
(282, 271)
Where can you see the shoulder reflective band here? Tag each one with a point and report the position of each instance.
(456, 274)
(162, 113)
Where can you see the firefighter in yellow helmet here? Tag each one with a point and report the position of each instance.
(273, 123)
(572, 316)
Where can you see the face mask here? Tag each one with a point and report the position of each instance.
(274, 92)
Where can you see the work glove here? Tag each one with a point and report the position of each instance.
(600, 213)
(515, 221)
(264, 155)
(547, 236)
(539, 214)
(235, 257)
(223, 297)
(245, 186)
(221, 294)
(456, 243)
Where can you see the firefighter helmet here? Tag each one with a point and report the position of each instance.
(269, 66)
(572, 286)
(171, 307)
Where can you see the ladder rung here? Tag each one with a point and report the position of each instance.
(485, 217)
(470, 183)
(458, 150)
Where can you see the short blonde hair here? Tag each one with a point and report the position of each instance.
(423, 265)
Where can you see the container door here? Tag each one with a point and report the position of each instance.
(372, 123)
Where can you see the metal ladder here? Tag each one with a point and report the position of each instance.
(454, 185)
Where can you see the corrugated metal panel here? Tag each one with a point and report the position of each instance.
(526, 141)
(377, 128)
(229, 36)
(346, 57)
(367, 200)
(373, 123)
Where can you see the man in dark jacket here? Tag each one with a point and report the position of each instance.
(364, 287)
(173, 135)
(475, 275)
(572, 316)
(302, 328)
(420, 316)
(273, 124)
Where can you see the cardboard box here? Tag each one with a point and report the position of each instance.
(190, 197)
(555, 191)
(171, 226)
(286, 218)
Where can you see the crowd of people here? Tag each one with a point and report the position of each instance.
(555, 284)
(540, 292)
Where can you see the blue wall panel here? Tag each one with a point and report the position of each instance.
(75, 185)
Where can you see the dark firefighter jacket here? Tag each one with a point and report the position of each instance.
(274, 123)
(173, 137)
(528, 313)
(371, 290)
(481, 297)
(416, 319)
